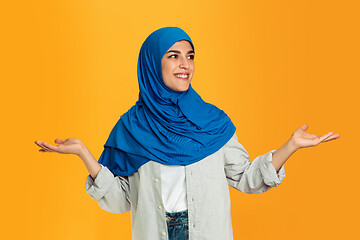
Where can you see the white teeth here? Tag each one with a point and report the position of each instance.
(181, 76)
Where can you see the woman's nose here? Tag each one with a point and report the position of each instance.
(184, 63)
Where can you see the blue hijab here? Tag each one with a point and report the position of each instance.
(173, 128)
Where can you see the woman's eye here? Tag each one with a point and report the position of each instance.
(188, 57)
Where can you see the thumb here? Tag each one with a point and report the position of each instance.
(59, 141)
(304, 127)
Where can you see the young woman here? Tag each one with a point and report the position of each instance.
(171, 157)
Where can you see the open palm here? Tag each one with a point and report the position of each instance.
(303, 139)
(65, 146)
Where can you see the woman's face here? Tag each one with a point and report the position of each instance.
(178, 66)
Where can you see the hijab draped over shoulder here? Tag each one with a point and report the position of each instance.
(173, 128)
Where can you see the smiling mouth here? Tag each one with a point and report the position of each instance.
(182, 76)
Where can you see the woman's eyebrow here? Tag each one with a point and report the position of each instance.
(176, 51)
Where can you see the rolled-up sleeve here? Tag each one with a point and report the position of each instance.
(247, 176)
(111, 193)
(268, 172)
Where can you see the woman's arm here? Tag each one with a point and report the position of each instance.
(112, 193)
(90, 162)
(299, 139)
(283, 153)
(73, 146)
(247, 176)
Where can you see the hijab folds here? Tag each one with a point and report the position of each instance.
(173, 128)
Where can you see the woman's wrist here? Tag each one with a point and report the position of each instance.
(90, 162)
(82, 151)
(283, 153)
(292, 145)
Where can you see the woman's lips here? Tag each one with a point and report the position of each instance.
(182, 76)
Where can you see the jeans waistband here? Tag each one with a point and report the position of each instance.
(177, 217)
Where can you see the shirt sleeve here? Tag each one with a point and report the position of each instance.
(111, 193)
(247, 176)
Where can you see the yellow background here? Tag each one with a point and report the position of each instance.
(68, 69)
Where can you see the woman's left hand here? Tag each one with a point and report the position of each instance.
(301, 139)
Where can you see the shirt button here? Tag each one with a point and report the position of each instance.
(163, 233)
(156, 180)
(160, 207)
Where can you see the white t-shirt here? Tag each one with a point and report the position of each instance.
(173, 188)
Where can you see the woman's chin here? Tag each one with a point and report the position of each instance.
(180, 88)
(183, 89)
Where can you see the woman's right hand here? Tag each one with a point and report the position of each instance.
(65, 146)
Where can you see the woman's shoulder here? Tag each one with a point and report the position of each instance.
(232, 140)
(233, 144)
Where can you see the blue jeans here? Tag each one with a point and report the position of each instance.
(177, 224)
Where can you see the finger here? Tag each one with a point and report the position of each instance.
(304, 127)
(322, 138)
(59, 141)
(49, 146)
(333, 137)
(37, 143)
(330, 139)
(46, 148)
(41, 144)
